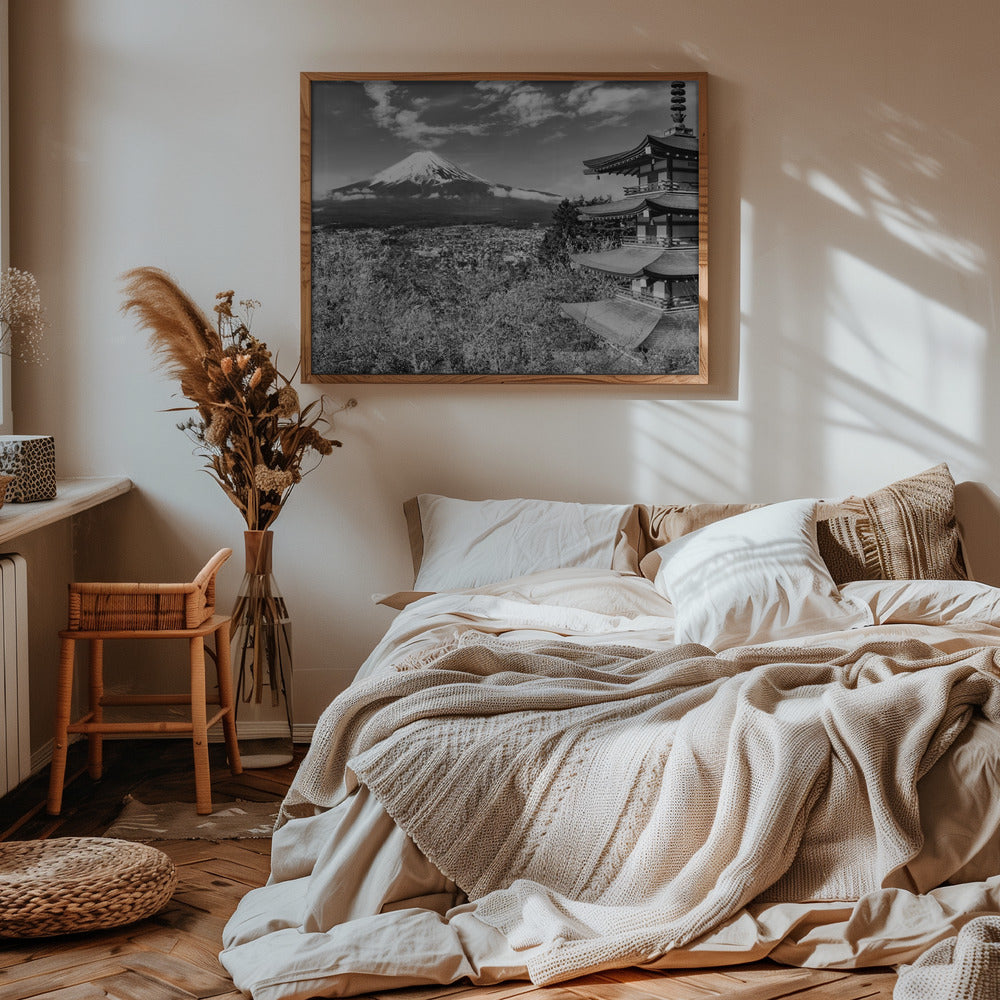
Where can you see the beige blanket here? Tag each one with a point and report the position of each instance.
(964, 967)
(605, 805)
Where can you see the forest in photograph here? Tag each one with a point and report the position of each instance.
(472, 299)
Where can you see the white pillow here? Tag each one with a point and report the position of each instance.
(470, 543)
(752, 578)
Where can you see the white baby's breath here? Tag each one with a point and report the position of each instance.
(22, 318)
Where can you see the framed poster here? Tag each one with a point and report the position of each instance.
(504, 228)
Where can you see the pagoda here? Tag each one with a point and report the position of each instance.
(658, 266)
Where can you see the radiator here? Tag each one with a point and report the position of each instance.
(15, 742)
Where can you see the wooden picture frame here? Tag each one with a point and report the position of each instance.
(504, 228)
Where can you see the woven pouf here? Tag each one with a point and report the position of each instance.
(73, 884)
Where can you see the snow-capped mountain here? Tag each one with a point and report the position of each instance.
(423, 168)
(426, 189)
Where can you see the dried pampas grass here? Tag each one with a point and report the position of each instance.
(250, 427)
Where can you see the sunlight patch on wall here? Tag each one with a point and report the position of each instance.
(899, 365)
(824, 185)
(919, 228)
(898, 131)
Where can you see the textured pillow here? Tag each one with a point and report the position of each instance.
(755, 577)
(904, 531)
(458, 544)
(663, 523)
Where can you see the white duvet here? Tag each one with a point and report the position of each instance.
(352, 906)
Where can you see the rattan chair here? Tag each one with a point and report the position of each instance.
(100, 611)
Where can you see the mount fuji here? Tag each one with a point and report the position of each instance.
(425, 189)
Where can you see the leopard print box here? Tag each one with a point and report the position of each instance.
(31, 460)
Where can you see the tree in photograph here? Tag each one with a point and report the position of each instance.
(568, 233)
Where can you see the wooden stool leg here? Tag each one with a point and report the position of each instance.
(199, 720)
(64, 699)
(95, 742)
(224, 670)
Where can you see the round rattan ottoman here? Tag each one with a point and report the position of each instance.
(72, 884)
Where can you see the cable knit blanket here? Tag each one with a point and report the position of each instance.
(604, 805)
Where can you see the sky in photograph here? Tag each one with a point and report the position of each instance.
(525, 133)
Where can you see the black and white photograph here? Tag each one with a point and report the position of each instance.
(498, 229)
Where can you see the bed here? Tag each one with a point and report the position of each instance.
(603, 736)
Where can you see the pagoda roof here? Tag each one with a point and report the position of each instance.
(677, 262)
(651, 146)
(629, 262)
(633, 261)
(623, 323)
(669, 201)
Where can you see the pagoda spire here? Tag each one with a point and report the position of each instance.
(678, 109)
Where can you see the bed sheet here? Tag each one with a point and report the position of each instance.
(352, 906)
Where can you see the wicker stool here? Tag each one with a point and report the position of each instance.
(99, 611)
(74, 884)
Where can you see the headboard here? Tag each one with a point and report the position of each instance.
(977, 509)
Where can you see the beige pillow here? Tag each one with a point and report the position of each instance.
(660, 524)
(904, 531)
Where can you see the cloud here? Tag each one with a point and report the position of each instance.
(529, 107)
(559, 133)
(405, 122)
(524, 104)
(514, 105)
(496, 86)
(517, 103)
(379, 91)
(612, 103)
(524, 194)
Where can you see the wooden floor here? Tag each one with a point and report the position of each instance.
(173, 956)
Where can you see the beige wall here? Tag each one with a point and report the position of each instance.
(853, 271)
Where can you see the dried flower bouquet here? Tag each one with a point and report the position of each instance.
(257, 440)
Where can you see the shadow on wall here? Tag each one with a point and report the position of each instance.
(866, 321)
(138, 532)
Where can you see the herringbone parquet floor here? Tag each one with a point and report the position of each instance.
(173, 956)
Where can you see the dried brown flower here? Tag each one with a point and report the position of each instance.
(218, 430)
(288, 401)
(224, 303)
(272, 480)
(255, 439)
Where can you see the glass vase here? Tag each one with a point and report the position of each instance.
(262, 660)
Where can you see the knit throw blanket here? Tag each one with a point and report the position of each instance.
(603, 806)
(965, 967)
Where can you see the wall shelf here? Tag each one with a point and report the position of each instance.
(72, 497)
